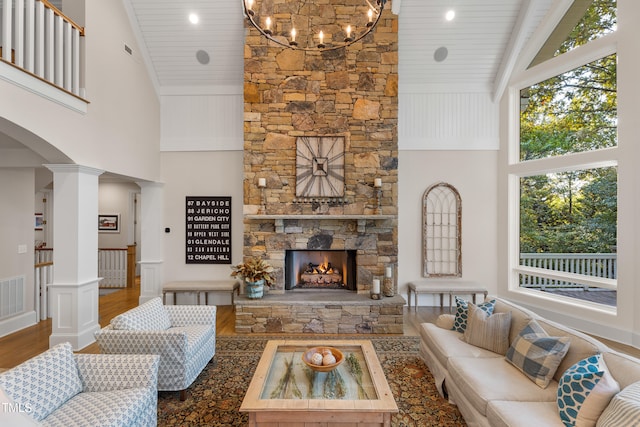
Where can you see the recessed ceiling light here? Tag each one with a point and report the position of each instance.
(193, 18)
(450, 15)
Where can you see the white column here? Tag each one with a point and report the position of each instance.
(151, 239)
(74, 291)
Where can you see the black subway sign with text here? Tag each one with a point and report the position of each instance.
(208, 233)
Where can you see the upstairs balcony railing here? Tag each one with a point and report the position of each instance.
(594, 265)
(39, 39)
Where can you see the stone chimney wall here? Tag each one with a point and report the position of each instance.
(350, 92)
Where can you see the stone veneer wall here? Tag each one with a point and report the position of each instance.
(336, 316)
(351, 92)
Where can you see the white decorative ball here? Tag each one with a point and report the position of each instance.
(316, 359)
(328, 359)
(326, 351)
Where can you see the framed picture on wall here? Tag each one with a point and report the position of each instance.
(39, 221)
(109, 223)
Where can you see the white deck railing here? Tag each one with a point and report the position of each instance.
(38, 38)
(594, 265)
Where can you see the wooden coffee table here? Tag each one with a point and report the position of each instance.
(284, 392)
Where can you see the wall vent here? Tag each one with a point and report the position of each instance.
(11, 296)
(128, 50)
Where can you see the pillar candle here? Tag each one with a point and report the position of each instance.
(262, 182)
(387, 272)
(376, 286)
(377, 182)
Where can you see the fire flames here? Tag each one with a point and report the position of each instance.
(320, 276)
(324, 268)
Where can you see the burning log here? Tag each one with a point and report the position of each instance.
(321, 276)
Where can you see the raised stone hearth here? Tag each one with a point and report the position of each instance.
(339, 312)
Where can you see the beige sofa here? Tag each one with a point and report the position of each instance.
(490, 391)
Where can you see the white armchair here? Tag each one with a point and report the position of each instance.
(184, 336)
(62, 389)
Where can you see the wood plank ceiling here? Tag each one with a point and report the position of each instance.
(476, 40)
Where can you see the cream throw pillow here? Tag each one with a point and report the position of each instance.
(623, 410)
(490, 332)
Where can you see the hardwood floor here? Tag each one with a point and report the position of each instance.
(20, 346)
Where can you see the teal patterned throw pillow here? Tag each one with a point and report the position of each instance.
(584, 391)
(462, 313)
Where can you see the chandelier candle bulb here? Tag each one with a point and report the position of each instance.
(348, 34)
(293, 35)
(249, 4)
(321, 37)
(267, 24)
(370, 14)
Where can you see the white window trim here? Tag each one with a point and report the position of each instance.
(582, 55)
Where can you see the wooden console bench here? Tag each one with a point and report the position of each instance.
(441, 286)
(199, 286)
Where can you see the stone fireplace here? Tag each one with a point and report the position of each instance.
(345, 99)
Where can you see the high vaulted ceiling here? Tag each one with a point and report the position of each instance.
(478, 40)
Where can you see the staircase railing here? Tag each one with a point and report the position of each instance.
(43, 277)
(116, 267)
(38, 38)
(112, 267)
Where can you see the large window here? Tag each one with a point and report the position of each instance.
(564, 176)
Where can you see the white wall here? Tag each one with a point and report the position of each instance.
(220, 174)
(447, 120)
(17, 229)
(203, 122)
(114, 198)
(474, 174)
(200, 174)
(121, 130)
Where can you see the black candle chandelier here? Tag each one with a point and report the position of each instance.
(310, 27)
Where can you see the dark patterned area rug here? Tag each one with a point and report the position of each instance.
(214, 398)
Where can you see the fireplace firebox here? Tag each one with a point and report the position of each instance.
(320, 269)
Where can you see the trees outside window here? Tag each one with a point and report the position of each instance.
(566, 169)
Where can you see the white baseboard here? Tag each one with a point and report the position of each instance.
(16, 323)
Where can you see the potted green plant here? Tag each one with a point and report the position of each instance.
(257, 273)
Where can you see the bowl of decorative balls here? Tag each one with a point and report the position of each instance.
(322, 359)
